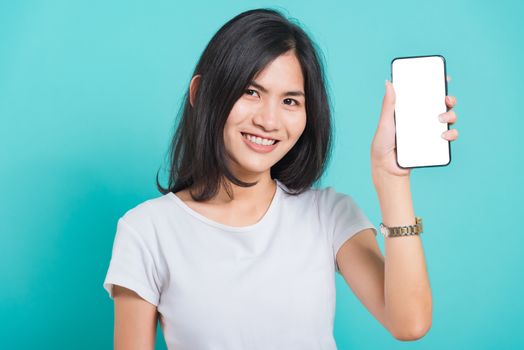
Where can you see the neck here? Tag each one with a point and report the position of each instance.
(261, 192)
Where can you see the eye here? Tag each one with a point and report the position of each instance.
(290, 99)
(250, 92)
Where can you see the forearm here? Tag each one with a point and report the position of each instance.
(407, 291)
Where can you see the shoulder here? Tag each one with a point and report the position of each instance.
(331, 202)
(322, 194)
(292, 197)
(324, 198)
(145, 217)
(330, 194)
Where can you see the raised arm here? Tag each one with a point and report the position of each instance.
(394, 288)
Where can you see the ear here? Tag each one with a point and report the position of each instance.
(193, 89)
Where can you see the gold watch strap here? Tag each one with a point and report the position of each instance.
(400, 231)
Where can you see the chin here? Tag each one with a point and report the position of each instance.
(251, 167)
(255, 169)
(245, 161)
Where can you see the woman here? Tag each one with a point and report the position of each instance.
(240, 252)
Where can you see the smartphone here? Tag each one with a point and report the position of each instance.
(420, 87)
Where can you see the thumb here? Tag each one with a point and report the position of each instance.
(388, 104)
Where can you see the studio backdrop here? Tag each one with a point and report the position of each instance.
(89, 92)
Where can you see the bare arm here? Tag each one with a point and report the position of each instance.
(362, 265)
(407, 290)
(395, 288)
(135, 321)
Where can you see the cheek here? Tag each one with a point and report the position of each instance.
(237, 116)
(297, 125)
(239, 112)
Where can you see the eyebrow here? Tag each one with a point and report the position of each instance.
(289, 93)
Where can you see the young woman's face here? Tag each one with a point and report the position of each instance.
(272, 108)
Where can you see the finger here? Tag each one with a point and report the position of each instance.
(388, 104)
(450, 135)
(451, 101)
(449, 117)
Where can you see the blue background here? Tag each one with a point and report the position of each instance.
(88, 96)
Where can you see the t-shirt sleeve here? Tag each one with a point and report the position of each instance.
(132, 265)
(342, 217)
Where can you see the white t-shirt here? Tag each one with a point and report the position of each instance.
(270, 285)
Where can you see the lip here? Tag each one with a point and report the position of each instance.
(261, 136)
(259, 148)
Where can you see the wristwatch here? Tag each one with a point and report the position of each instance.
(400, 231)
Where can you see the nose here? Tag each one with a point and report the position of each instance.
(267, 117)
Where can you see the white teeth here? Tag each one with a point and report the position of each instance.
(258, 140)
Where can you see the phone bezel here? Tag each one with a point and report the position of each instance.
(394, 118)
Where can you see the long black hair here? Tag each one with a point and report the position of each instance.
(236, 53)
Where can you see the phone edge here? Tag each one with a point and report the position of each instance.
(394, 118)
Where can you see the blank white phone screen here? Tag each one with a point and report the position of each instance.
(420, 88)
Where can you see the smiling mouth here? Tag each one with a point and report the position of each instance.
(264, 142)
